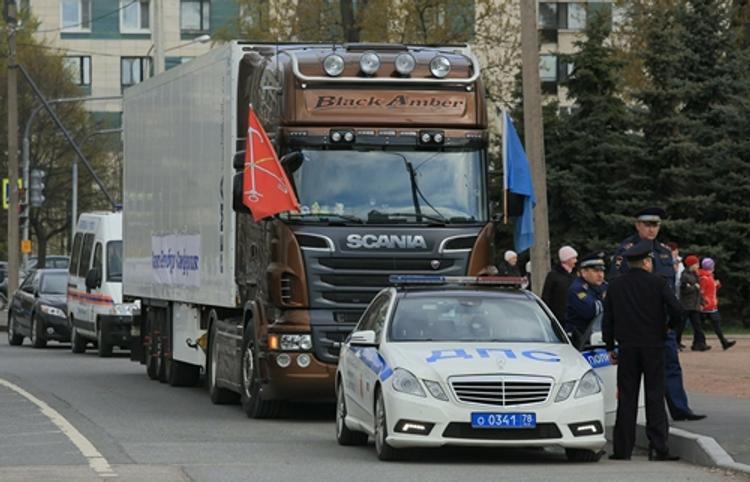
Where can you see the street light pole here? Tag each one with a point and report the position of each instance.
(13, 241)
(159, 61)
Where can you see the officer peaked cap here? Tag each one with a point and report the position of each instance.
(593, 260)
(651, 215)
(641, 250)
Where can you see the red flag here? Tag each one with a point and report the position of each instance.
(265, 188)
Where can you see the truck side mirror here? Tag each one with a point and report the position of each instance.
(292, 161)
(238, 161)
(93, 280)
(237, 205)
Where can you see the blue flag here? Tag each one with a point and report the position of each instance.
(517, 179)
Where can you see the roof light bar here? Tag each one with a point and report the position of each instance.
(419, 279)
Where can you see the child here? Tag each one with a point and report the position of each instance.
(710, 305)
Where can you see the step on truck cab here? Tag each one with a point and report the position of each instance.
(385, 146)
(96, 311)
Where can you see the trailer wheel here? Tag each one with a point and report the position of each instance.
(219, 395)
(152, 368)
(252, 403)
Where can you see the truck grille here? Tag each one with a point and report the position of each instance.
(504, 391)
(384, 264)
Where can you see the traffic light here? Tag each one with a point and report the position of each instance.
(36, 187)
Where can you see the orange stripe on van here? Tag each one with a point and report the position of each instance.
(93, 298)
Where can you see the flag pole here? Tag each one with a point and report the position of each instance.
(505, 167)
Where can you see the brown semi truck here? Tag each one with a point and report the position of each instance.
(385, 146)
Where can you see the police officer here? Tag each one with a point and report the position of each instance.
(584, 306)
(636, 310)
(647, 225)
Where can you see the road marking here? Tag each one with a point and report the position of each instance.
(96, 460)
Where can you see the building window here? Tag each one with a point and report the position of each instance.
(134, 70)
(134, 16)
(547, 15)
(75, 15)
(79, 69)
(195, 15)
(548, 68)
(576, 16)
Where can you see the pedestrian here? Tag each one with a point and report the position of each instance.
(678, 325)
(710, 308)
(636, 310)
(585, 298)
(558, 280)
(647, 225)
(509, 265)
(690, 299)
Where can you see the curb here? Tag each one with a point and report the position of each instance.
(696, 449)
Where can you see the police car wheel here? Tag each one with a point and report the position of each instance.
(583, 455)
(344, 435)
(384, 451)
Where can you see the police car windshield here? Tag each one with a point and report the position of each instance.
(380, 187)
(471, 317)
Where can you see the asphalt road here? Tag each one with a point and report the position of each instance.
(144, 430)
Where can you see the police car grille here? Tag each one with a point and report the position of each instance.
(505, 392)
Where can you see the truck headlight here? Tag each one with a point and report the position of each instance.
(52, 311)
(295, 342)
(436, 390)
(565, 390)
(589, 385)
(440, 66)
(404, 381)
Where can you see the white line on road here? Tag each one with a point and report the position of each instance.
(96, 460)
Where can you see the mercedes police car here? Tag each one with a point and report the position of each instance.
(440, 361)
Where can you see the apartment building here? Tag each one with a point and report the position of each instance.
(108, 44)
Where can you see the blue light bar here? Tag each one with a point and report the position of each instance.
(427, 279)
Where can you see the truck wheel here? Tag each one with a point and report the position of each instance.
(38, 337)
(583, 455)
(182, 374)
(252, 403)
(14, 339)
(103, 348)
(219, 395)
(345, 436)
(384, 451)
(77, 342)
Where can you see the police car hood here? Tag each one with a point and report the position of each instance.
(439, 361)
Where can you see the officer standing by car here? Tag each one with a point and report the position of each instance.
(647, 225)
(636, 310)
(585, 297)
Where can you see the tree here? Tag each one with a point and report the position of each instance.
(49, 151)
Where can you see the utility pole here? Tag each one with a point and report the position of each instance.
(13, 241)
(158, 37)
(534, 140)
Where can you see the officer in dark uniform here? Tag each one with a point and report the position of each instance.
(647, 225)
(585, 299)
(636, 310)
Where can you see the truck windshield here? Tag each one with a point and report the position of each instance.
(392, 186)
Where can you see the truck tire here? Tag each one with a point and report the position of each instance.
(14, 339)
(219, 395)
(77, 342)
(103, 348)
(252, 403)
(38, 337)
(181, 374)
(344, 435)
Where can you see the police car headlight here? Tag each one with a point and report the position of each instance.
(565, 390)
(125, 309)
(436, 390)
(404, 381)
(589, 385)
(52, 311)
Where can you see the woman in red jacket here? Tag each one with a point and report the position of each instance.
(710, 305)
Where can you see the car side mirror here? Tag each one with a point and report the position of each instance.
(237, 205)
(93, 280)
(363, 338)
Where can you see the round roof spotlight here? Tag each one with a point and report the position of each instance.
(349, 136)
(333, 65)
(426, 137)
(369, 63)
(405, 63)
(440, 66)
(438, 137)
(335, 136)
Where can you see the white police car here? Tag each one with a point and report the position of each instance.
(440, 361)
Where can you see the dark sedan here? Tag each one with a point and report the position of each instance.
(38, 309)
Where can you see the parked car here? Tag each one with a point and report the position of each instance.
(50, 262)
(38, 309)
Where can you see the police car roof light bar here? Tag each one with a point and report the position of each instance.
(419, 279)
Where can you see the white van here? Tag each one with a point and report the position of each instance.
(95, 309)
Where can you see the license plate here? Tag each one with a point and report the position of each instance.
(503, 420)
